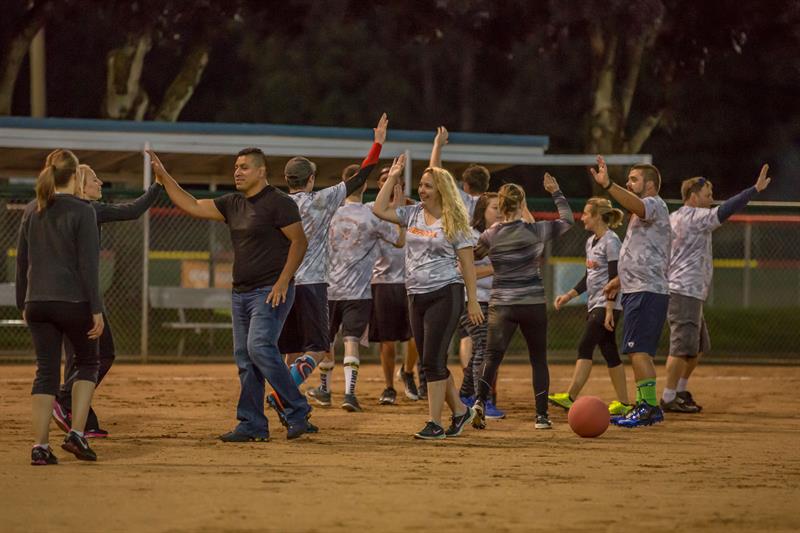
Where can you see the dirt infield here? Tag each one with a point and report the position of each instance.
(736, 466)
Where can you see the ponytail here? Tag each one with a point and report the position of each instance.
(602, 206)
(59, 167)
(511, 197)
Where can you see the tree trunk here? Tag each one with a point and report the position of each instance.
(182, 87)
(125, 98)
(467, 84)
(16, 48)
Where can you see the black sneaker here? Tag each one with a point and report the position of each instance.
(543, 422)
(235, 436)
(294, 431)
(458, 422)
(678, 405)
(350, 403)
(388, 397)
(79, 446)
(410, 385)
(479, 421)
(311, 428)
(43, 456)
(431, 431)
(686, 396)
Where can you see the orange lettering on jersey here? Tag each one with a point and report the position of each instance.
(422, 232)
(590, 264)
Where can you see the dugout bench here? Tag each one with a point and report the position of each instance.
(181, 299)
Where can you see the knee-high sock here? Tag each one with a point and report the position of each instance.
(302, 367)
(325, 369)
(351, 364)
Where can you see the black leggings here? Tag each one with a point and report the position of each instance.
(49, 323)
(503, 322)
(434, 317)
(596, 334)
(107, 356)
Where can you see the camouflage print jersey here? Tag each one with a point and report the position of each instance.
(644, 258)
(431, 259)
(316, 211)
(606, 249)
(691, 264)
(469, 202)
(390, 266)
(484, 285)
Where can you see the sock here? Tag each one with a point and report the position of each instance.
(42, 446)
(351, 364)
(646, 389)
(302, 367)
(325, 369)
(682, 384)
(638, 395)
(668, 395)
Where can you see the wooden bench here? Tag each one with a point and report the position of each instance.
(180, 299)
(8, 298)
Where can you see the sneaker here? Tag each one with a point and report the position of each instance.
(294, 431)
(678, 405)
(492, 412)
(469, 401)
(322, 397)
(75, 444)
(235, 436)
(277, 406)
(458, 422)
(43, 456)
(62, 417)
(617, 408)
(543, 422)
(351, 404)
(95, 433)
(311, 428)
(560, 399)
(410, 385)
(431, 431)
(688, 400)
(479, 420)
(642, 414)
(388, 397)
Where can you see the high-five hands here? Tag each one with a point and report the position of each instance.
(601, 174)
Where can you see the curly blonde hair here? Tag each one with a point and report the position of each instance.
(455, 220)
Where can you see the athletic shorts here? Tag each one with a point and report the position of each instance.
(688, 334)
(351, 315)
(389, 317)
(645, 314)
(306, 327)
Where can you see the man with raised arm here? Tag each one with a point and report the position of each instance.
(642, 279)
(268, 247)
(690, 271)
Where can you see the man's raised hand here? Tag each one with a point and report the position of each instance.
(601, 174)
(763, 180)
(380, 130)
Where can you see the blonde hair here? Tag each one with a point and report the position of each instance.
(511, 196)
(455, 220)
(59, 167)
(602, 206)
(80, 178)
(693, 185)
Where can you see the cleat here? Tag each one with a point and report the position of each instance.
(277, 406)
(95, 433)
(294, 431)
(431, 431)
(678, 405)
(311, 428)
(77, 445)
(322, 397)
(43, 456)
(235, 436)
(388, 397)
(409, 384)
(688, 400)
(351, 404)
(643, 414)
(492, 412)
(458, 422)
(62, 417)
(479, 420)
(543, 422)
(561, 399)
(617, 408)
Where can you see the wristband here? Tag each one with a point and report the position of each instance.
(610, 184)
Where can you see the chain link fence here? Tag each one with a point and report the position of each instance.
(751, 311)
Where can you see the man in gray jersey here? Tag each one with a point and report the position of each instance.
(690, 271)
(642, 279)
(353, 246)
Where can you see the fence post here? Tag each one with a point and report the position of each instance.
(146, 179)
(407, 174)
(748, 243)
(212, 243)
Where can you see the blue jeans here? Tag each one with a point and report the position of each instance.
(256, 328)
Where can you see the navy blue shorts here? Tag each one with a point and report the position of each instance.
(306, 327)
(645, 314)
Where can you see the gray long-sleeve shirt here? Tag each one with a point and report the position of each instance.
(58, 254)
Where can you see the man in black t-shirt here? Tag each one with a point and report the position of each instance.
(268, 247)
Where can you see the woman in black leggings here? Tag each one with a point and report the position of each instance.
(90, 188)
(58, 293)
(438, 237)
(515, 248)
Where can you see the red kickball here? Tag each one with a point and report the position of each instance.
(588, 416)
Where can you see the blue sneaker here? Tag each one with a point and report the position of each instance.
(492, 412)
(468, 400)
(643, 414)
